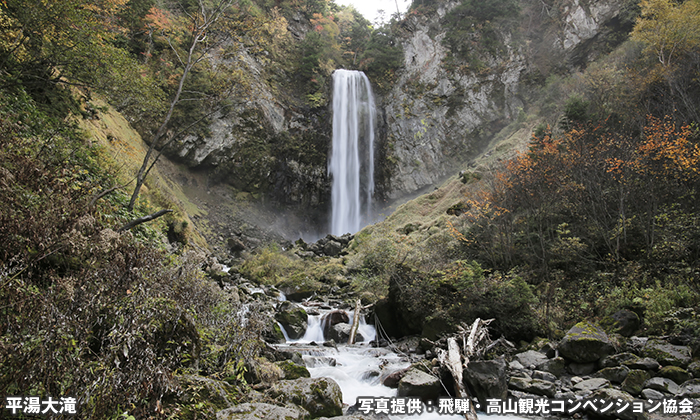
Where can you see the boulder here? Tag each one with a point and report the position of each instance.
(531, 358)
(618, 359)
(332, 318)
(545, 376)
(293, 319)
(585, 342)
(291, 370)
(488, 379)
(555, 366)
(416, 383)
(623, 322)
(592, 384)
(652, 394)
(319, 396)
(645, 363)
(392, 380)
(612, 394)
(340, 333)
(533, 386)
(580, 369)
(332, 248)
(690, 389)
(674, 373)
(613, 374)
(634, 382)
(254, 411)
(664, 385)
(667, 354)
(694, 369)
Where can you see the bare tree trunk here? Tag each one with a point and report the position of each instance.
(201, 24)
(355, 322)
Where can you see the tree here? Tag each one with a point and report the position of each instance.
(205, 34)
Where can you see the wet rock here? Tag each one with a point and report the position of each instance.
(253, 411)
(341, 333)
(416, 383)
(291, 370)
(293, 318)
(634, 382)
(614, 374)
(674, 373)
(319, 396)
(663, 385)
(667, 354)
(392, 380)
(316, 361)
(487, 379)
(585, 342)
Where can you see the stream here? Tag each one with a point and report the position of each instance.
(359, 368)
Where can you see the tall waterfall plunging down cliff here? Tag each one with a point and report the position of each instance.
(352, 154)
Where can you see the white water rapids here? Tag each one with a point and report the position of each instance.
(351, 165)
(358, 368)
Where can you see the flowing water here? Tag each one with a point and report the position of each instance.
(351, 165)
(358, 369)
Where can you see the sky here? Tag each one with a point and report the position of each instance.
(369, 8)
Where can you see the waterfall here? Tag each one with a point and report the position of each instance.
(352, 154)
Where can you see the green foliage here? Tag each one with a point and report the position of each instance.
(382, 57)
(88, 308)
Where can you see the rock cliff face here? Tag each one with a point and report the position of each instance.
(441, 111)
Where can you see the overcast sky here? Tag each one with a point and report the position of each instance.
(369, 8)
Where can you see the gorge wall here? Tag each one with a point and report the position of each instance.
(457, 87)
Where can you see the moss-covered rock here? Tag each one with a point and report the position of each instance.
(293, 370)
(634, 382)
(319, 396)
(251, 411)
(293, 319)
(585, 342)
(416, 383)
(674, 373)
(667, 354)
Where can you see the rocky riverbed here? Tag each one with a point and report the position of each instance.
(589, 373)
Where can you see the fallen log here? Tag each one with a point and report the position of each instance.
(455, 361)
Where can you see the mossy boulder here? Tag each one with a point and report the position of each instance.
(674, 373)
(292, 370)
(201, 397)
(667, 354)
(585, 342)
(623, 322)
(634, 382)
(293, 319)
(615, 374)
(319, 396)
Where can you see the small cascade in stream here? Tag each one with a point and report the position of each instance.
(352, 154)
(358, 369)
